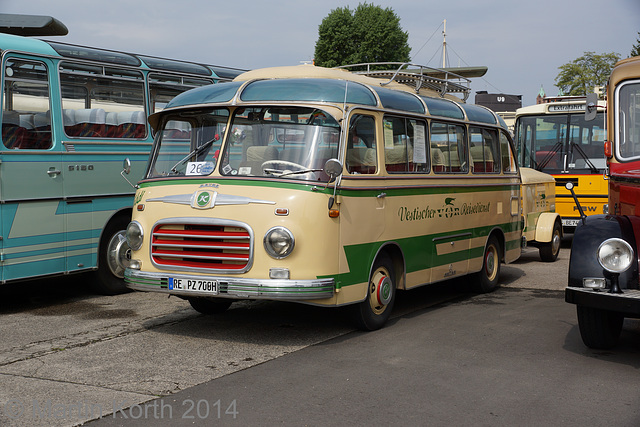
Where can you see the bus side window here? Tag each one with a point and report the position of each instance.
(449, 142)
(102, 102)
(405, 145)
(361, 145)
(483, 150)
(26, 122)
(509, 164)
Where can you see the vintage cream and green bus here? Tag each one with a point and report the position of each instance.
(324, 186)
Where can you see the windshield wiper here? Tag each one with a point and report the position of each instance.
(592, 167)
(549, 156)
(285, 173)
(195, 152)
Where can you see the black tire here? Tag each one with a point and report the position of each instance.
(374, 311)
(487, 279)
(109, 278)
(549, 250)
(210, 305)
(599, 329)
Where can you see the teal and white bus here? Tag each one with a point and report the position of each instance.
(70, 115)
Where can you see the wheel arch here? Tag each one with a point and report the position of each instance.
(498, 233)
(393, 251)
(121, 215)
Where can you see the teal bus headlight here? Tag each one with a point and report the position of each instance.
(615, 255)
(134, 235)
(278, 242)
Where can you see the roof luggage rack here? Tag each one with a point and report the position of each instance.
(416, 76)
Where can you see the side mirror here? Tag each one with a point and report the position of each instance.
(126, 169)
(126, 166)
(333, 168)
(569, 186)
(591, 109)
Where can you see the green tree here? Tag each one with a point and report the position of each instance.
(580, 76)
(367, 34)
(635, 50)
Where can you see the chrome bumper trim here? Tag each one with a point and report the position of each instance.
(237, 288)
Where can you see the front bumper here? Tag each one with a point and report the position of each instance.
(237, 288)
(627, 302)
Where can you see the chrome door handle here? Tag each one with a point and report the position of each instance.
(53, 172)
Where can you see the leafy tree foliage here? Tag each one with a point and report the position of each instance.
(580, 76)
(366, 34)
(635, 50)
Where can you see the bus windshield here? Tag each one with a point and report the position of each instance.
(286, 142)
(628, 121)
(562, 142)
(188, 144)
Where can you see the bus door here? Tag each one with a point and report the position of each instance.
(31, 181)
(362, 213)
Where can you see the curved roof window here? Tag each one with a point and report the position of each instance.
(176, 66)
(315, 90)
(475, 113)
(89, 53)
(398, 100)
(443, 108)
(221, 92)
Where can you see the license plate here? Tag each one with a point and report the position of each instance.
(570, 222)
(193, 285)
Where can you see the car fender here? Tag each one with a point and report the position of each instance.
(595, 229)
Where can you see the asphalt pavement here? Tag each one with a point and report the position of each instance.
(447, 357)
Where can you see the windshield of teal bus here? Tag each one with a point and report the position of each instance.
(555, 143)
(188, 144)
(281, 142)
(627, 121)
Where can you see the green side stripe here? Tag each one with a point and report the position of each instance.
(345, 191)
(419, 252)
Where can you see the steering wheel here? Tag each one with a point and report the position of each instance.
(283, 163)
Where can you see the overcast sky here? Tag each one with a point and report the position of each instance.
(521, 42)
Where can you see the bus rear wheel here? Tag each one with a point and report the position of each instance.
(487, 279)
(549, 251)
(374, 311)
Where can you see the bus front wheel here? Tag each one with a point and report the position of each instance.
(112, 255)
(374, 311)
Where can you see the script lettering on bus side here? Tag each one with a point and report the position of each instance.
(448, 210)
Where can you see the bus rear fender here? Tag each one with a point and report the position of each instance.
(545, 225)
(498, 233)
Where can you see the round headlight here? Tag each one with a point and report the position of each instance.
(615, 255)
(134, 235)
(278, 242)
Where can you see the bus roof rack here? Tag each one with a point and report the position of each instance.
(31, 25)
(443, 81)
